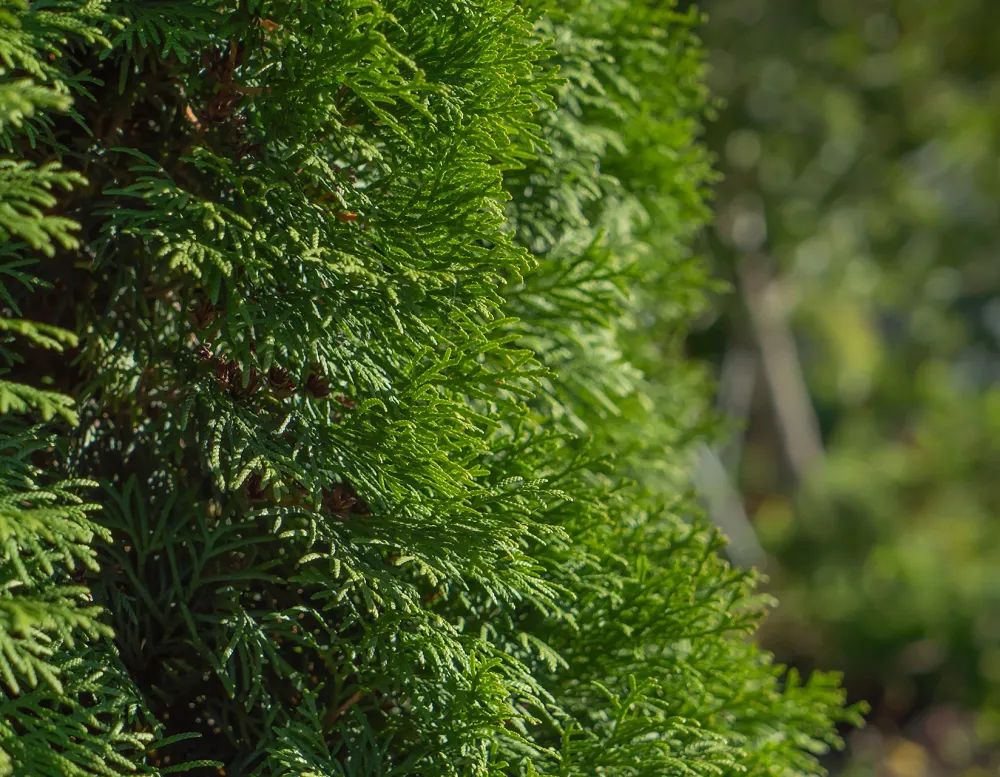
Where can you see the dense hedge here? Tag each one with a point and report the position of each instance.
(365, 320)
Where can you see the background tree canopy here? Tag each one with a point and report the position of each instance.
(860, 222)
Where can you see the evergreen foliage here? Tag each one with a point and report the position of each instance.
(354, 301)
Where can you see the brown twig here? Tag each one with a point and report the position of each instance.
(335, 714)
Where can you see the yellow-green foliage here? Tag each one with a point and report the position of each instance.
(378, 307)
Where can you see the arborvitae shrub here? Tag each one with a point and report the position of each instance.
(345, 422)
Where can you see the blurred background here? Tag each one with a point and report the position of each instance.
(859, 224)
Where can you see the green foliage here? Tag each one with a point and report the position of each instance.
(379, 383)
(860, 147)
